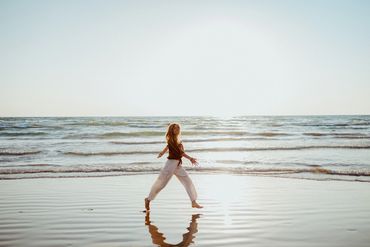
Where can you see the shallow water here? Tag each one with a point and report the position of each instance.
(307, 147)
(238, 211)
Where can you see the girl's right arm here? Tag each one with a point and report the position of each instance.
(163, 152)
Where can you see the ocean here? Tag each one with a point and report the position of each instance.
(301, 147)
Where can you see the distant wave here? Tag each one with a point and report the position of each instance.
(77, 153)
(28, 165)
(223, 149)
(352, 137)
(12, 152)
(137, 133)
(29, 127)
(137, 142)
(350, 124)
(192, 140)
(39, 133)
(224, 135)
(337, 135)
(97, 123)
(255, 162)
(272, 134)
(237, 149)
(61, 167)
(117, 134)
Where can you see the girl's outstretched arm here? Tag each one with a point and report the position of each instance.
(192, 160)
(163, 152)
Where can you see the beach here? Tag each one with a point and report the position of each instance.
(263, 181)
(239, 210)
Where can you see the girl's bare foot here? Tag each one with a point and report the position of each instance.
(194, 204)
(147, 202)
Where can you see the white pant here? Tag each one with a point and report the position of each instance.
(165, 175)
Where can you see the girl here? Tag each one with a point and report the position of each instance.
(173, 166)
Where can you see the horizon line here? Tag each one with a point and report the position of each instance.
(207, 115)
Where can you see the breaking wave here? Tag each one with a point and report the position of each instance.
(60, 171)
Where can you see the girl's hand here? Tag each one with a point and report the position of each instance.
(194, 161)
(160, 155)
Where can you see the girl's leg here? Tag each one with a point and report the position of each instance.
(163, 178)
(184, 178)
(158, 185)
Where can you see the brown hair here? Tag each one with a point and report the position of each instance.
(173, 140)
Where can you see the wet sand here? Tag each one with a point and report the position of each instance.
(239, 210)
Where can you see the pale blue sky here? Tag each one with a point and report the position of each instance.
(135, 58)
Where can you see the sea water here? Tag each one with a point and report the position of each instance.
(302, 147)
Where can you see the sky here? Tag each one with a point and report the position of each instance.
(184, 58)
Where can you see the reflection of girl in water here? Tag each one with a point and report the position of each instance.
(158, 238)
(173, 166)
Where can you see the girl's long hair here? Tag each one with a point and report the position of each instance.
(173, 140)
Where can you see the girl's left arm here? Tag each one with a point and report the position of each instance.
(193, 160)
(163, 152)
